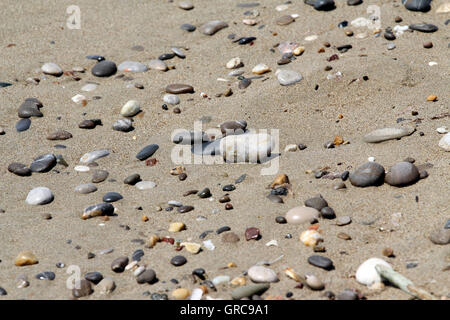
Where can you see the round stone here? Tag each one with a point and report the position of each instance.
(145, 185)
(347, 294)
(233, 127)
(444, 143)
(440, 236)
(118, 265)
(23, 125)
(112, 197)
(247, 148)
(157, 64)
(327, 213)
(147, 152)
(205, 193)
(418, 5)
(299, 215)
(130, 109)
(288, 77)
(99, 175)
(321, 262)
(230, 237)
(39, 196)
(317, 203)
(52, 69)
(132, 179)
(366, 272)
(94, 277)
(262, 274)
(260, 68)
(178, 261)
(85, 188)
(171, 99)
(344, 220)
(148, 276)
(313, 282)
(324, 5)
(132, 66)
(104, 68)
(19, 169)
(369, 174)
(106, 286)
(123, 125)
(234, 63)
(82, 288)
(402, 174)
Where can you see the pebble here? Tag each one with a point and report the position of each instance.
(179, 88)
(148, 276)
(132, 66)
(23, 125)
(101, 209)
(212, 27)
(43, 163)
(233, 127)
(354, 2)
(391, 46)
(130, 109)
(94, 277)
(234, 63)
(184, 209)
(19, 169)
(417, 5)
(205, 193)
(252, 234)
(88, 87)
(288, 77)
(89, 124)
(178, 261)
(313, 282)
(176, 226)
(443, 8)
(347, 295)
(402, 174)
(178, 53)
(444, 143)
(145, 185)
(157, 64)
(188, 27)
(59, 135)
(440, 236)
(123, 125)
(230, 237)
(249, 290)
(209, 245)
(85, 188)
(81, 168)
(93, 156)
(249, 148)
(39, 196)
(317, 203)
(343, 220)
(324, 5)
(310, 238)
(30, 108)
(284, 20)
(132, 179)
(368, 174)
(106, 286)
(299, 215)
(46, 275)
(327, 213)
(181, 293)
(171, 99)
(118, 265)
(104, 68)
(423, 27)
(385, 134)
(26, 258)
(52, 69)
(366, 273)
(147, 152)
(99, 175)
(321, 262)
(262, 274)
(112, 197)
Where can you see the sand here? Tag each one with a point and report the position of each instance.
(399, 82)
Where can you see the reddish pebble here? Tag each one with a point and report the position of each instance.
(252, 233)
(228, 206)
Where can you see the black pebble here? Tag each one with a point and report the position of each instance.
(178, 261)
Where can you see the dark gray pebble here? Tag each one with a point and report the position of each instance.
(178, 261)
(23, 125)
(147, 152)
(104, 68)
(321, 262)
(94, 277)
(112, 197)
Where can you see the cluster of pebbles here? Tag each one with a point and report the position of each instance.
(311, 219)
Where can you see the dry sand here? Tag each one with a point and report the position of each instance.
(399, 82)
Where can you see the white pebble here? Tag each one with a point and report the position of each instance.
(94, 155)
(130, 109)
(81, 168)
(209, 245)
(144, 185)
(442, 130)
(171, 99)
(367, 274)
(262, 274)
(371, 159)
(311, 38)
(79, 98)
(221, 279)
(196, 294)
(272, 243)
(290, 148)
(89, 87)
(52, 69)
(39, 195)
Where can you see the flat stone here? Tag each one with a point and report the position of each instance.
(147, 152)
(327, 213)
(424, 27)
(440, 236)
(43, 163)
(178, 53)
(212, 27)
(188, 27)
(132, 66)
(402, 174)
(166, 56)
(82, 288)
(99, 175)
(385, 134)
(130, 109)
(178, 88)
(288, 77)
(230, 237)
(354, 2)
(46, 275)
(132, 179)
(145, 185)
(205, 193)
(233, 127)
(59, 135)
(343, 220)
(39, 196)
(260, 69)
(94, 156)
(275, 198)
(23, 125)
(347, 294)
(19, 169)
(157, 64)
(94, 277)
(85, 188)
(88, 87)
(368, 174)
(148, 276)
(101, 209)
(324, 5)
(178, 261)
(262, 274)
(112, 197)
(418, 5)
(284, 20)
(249, 290)
(104, 68)
(118, 265)
(52, 69)
(89, 124)
(300, 215)
(317, 203)
(184, 209)
(321, 262)
(252, 234)
(123, 125)
(30, 108)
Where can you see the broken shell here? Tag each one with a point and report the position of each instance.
(310, 237)
(292, 274)
(280, 179)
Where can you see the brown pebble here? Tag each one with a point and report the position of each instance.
(182, 176)
(344, 236)
(47, 216)
(176, 110)
(189, 192)
(428, 45)
(327, 44)
(252, 234)
(228, 206)
(224, 199)
(230, 237)
(328, 68)
(26, 258)
(144, 218)
(321, 50)
(349, 33)
(228, 92)
(398, 19)
(388, 252)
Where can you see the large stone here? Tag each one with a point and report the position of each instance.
(43, 163)
(299, 215)
(248, 148)
(19, 169)
(52, 69)
(212, 27)
(418, 5)
(104, 68)
(132, 66)
(385, 134)
(262, 274)
(288, 77)
(39, 196)
(402, 174)
(369, 174)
